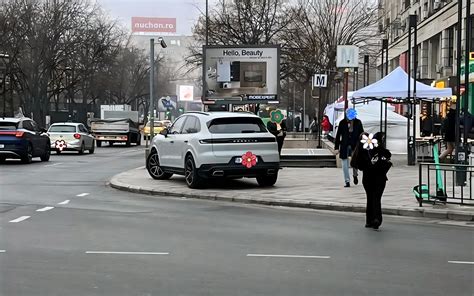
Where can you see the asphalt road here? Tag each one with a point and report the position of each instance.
(89, 239)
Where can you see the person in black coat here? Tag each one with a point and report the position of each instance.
(279, 131)
(449, 131)
(374, 162)
(347, 137)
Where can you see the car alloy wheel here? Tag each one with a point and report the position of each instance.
(193, 180)
(154, 169)
(28, 158)
(83, 148)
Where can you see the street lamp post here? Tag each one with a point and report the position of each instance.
(4, 82)
(152, 81)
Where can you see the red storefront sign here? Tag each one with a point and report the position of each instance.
(154, 24)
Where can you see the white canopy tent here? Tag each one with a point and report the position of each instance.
(369, 114)
(395, 85)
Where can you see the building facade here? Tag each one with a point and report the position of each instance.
(437, 34)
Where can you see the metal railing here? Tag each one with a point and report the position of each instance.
(445, 183)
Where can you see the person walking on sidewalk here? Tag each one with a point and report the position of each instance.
(347, 136)
(449, 132)
(314, 128)
(373, 159)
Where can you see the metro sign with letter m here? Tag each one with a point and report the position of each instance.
(320, 80)
(347, 56)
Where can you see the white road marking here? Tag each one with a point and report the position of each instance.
(19, 219)
(64, 202)
(462, 262)
(54, 164)
(2, 251)
(127, 253)
(288, 256)
(83, 194)
(45, 209)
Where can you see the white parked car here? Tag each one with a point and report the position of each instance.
(71, 136)
(206, 145)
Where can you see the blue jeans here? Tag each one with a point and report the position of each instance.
(345, 167)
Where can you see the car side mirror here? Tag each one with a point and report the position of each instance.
(43, 130)
(164, 132)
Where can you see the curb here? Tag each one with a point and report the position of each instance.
(315, 205)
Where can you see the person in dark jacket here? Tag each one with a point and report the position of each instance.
(373, 159)
(347, 137)
(449, 131)
(279, 131)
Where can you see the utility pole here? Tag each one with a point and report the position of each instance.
(151, 119)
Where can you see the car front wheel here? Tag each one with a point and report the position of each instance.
(47, 153)
(154, 169)
(193, 180)
(267, 180)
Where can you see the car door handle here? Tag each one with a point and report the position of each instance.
(185, 141)
(171, 142)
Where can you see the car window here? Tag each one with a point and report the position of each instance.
(34, 126)
(26, 124)
(236, 125)
(5, 125)
(62, 129)
(177, 125)
(191, 125)
(83, 129)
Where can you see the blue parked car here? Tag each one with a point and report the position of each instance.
(22, 138)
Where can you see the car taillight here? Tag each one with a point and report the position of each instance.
(19, 134)
(77, 136)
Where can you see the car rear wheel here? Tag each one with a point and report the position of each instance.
(47, 153)
(154, 169)
(139, 140)
(28, 157)
(83, 148)
(267, 180)
(193, 180)
(91, 151)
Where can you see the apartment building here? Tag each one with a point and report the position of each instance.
(437, 34)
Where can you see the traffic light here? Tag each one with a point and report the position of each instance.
(168, 115)
(181, 110)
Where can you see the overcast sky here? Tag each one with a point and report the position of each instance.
(186, 12)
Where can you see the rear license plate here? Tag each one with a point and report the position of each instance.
(2, 146)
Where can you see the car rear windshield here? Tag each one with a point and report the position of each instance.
(62, 129)
(155, 124)
(5, 125)
(236, 125)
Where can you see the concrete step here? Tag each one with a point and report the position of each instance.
(308, 160)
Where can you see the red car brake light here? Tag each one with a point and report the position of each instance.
(77, 136)
(19, 134)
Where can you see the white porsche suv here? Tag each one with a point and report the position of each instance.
(208, 145)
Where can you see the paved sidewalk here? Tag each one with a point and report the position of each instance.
(317, 188)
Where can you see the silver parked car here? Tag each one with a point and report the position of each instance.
(71, 136)
(207, 145)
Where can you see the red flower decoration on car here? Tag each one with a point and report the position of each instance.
(249, 159)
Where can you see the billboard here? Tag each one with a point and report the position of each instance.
(153, 25)
(245, 73)
(185, 93)
(168, 103)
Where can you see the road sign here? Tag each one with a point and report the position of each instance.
(347, 56)
(320, 80)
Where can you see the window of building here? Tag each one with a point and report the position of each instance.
(472, 32)
(406, 4)
(450, 47)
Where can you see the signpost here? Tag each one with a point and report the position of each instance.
(320, 81)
